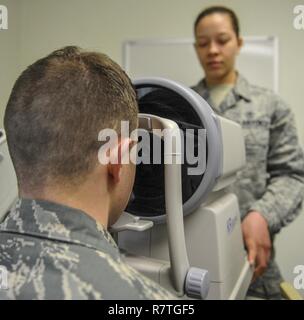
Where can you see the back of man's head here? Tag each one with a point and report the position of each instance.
(56, 109)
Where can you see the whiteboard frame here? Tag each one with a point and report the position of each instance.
(128, 44)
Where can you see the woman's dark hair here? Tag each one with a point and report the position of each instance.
(219, 9)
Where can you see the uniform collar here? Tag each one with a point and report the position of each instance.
(241, 90)
(49, 220)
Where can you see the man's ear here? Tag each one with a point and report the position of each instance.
(114, 170)
(118, 158)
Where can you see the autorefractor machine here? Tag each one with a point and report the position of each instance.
(182, 225)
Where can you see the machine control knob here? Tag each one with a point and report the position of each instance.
(197, 283)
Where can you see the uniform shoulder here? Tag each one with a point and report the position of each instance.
(267, 97)
(261, 90)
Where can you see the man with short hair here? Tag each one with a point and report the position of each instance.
(54, 241)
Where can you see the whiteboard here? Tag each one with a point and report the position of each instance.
(176, 59)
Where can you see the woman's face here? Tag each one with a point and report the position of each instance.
(217, 46)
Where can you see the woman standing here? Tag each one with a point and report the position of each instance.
(271, 187)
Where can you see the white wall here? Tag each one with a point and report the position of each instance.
(36, 27)
(8, 54)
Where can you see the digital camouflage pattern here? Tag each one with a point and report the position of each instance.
(55, 252)
(272, 182)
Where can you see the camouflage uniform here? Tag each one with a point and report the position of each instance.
(272, 182)
(55, 252)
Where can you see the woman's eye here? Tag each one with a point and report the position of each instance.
(203, 44)
(223, 41)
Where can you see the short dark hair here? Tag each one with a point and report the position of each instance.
(219, 9)
(55, 111)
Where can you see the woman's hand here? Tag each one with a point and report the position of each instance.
(257, 241)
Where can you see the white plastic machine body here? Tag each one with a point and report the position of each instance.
(211, 226)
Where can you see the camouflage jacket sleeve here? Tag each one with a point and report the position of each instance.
(281, 202)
